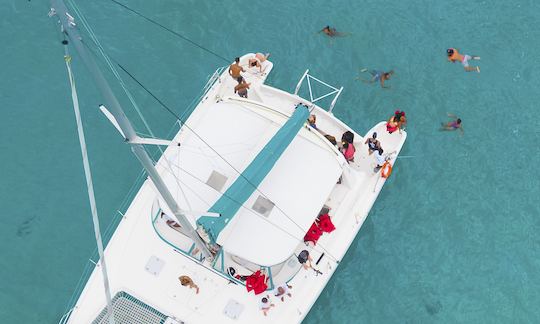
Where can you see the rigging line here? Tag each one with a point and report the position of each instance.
(208, 145)
(170, 31)
(94, 38)
(89, 183)
(128, 93)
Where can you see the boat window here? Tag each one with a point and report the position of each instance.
(216, 180)
(263, 206)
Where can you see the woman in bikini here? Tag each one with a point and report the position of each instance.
(258, 60)
(396, 122)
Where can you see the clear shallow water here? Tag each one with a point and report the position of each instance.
(453, 236)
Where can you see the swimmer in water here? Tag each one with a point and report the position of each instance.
(454, 56)
(332, 32)
(453, 125)
(380, 76)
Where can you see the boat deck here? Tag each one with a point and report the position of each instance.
(147, 266)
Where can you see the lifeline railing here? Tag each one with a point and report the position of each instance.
(212, 80)
(334, 91)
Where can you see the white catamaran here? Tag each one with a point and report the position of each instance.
(249, 200)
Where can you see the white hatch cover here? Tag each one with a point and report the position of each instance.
(154, 265)
(233, 309)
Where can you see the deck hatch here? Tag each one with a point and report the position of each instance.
(154, 265)
(263, 206)
(216, 180)
(233, 309)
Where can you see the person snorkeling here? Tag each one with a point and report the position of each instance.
(454, 56)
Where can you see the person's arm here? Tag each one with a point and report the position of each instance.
(461, 129)
(451, 115)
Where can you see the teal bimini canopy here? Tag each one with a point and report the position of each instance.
(246, 183)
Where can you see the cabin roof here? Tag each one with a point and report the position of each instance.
(274, 219)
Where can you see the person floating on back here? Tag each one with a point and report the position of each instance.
(453, 125)
(454, 56)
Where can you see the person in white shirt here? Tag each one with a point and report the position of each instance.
(265, 305)
(380, 159)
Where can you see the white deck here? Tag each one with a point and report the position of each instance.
(136, 241)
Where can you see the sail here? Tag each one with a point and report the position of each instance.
(247, 182)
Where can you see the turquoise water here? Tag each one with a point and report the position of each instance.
(451, 239)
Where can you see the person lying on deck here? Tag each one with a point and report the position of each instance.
(188, 282)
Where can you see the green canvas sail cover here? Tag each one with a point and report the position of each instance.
(244, 186)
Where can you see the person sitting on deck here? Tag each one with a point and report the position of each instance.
(380, 159)
(265, 305)
(396, 122)
(312, 120)
(305, 259)
(372, 143)
(282, 290)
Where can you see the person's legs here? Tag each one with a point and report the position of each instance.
(466, 66)
(472, 68)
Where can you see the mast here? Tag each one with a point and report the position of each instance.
(68, 27)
